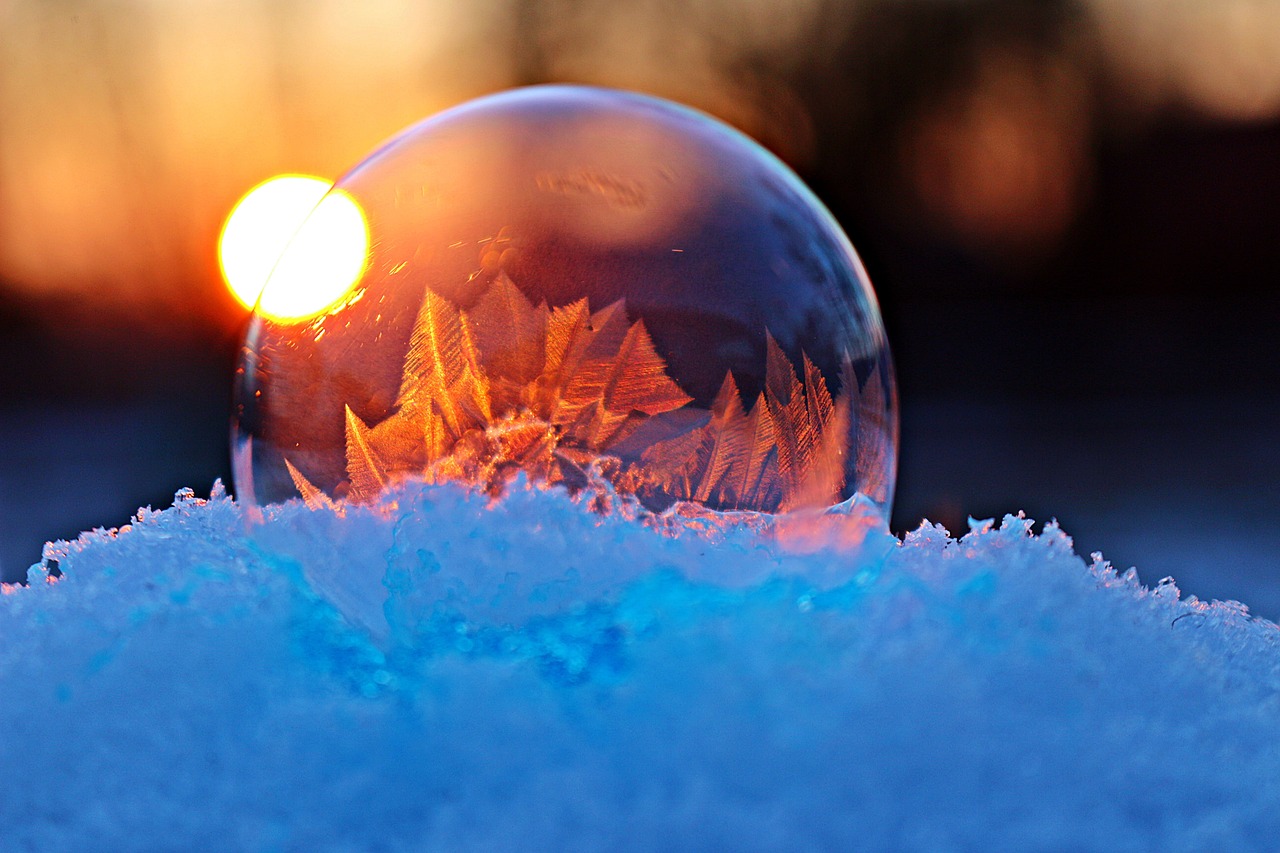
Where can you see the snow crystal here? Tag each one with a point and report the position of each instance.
(452, 672)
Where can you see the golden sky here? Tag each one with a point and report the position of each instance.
(128, 128)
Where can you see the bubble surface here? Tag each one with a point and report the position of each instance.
(575, 283)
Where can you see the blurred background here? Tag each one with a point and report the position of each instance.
(1070, 210)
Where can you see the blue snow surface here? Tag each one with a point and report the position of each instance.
(454, 672)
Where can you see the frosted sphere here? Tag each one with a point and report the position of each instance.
(579, 284)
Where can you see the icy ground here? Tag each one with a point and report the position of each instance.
(455, 673)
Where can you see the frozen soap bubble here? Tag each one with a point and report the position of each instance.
(570, 282)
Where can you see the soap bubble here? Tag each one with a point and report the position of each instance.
(581, 285)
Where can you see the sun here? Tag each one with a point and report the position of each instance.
(304, 242)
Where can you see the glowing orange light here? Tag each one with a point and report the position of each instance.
(293, 247)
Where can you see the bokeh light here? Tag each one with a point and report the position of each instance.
(327, 241)
(1217, 58)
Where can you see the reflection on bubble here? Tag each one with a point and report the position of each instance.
(585, 286)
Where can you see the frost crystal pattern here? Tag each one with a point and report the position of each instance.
(574, 283)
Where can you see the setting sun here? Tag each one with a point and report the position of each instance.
(309, 243)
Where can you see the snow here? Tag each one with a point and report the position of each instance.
(449, 671)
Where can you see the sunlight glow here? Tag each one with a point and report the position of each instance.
(308, 243)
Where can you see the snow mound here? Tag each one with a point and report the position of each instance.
(453, 672)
